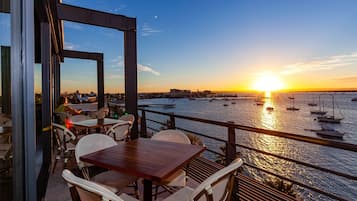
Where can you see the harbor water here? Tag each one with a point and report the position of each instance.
(245, 111)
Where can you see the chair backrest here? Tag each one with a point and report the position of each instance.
(88, 190)
(80, 117)
(219, 186)
(119, 131)
(128, 117)
(92, 143)
(63, 134)
(172, 136)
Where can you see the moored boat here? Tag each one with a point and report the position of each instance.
(270, 109)
(329, 132)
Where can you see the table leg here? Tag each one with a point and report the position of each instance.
(147, 190)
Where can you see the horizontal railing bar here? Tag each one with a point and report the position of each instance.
(297, 183)
(210, 150)
(200, 134)
(158, 122)
(154, 129)
(301, 163)
(312, 140)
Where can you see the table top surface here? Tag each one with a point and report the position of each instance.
(95, 123)
(149, 159)
(4, 130)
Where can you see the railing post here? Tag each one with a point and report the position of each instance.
(231, 144)
(143, 124)
(172, 121)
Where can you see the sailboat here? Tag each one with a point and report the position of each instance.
(330, 118)
(293, 108)
(313, 103)
(319, 111)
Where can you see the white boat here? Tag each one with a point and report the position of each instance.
(330, 118)
(329, 132)
(319, 111)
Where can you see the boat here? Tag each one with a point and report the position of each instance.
(233, 103)
(270, 109)
(319, 111)
(260, 103)
(293, 108)
(225, 104)
(354, 99)
(313, 104)
(330, 118)
(329, 132)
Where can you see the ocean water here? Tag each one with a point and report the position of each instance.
(246, 112)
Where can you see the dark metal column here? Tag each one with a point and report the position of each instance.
(23, 101)
(100, 81)
(5, 80)
(46, 112)
(57, 79)
(131, 97)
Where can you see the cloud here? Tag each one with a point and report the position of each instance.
(147, 30)
(70, 46)
(326, 63)
(143, 68)
(72, 25)
(113, 76)
(71, 82)
(347, 79)
(117, 62)
(117, 9)
(156, 17)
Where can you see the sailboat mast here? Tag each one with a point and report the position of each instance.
(333, 105)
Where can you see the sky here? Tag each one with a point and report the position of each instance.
(217, 45)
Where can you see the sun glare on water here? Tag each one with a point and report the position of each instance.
(267, 82)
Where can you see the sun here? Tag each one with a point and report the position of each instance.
(267, 82)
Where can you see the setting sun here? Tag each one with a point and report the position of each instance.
(268, 82)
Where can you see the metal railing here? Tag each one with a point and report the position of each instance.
(231, 145)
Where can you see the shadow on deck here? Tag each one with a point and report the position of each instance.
(199, 169)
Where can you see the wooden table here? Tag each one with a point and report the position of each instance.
(98, 123)
(149, 159)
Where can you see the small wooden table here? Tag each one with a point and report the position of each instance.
(98, 123)
(149, 159)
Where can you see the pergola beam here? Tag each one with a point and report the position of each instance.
(93, 17)
(82, 55)
(100, 69)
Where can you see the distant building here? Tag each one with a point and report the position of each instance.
(178, 93)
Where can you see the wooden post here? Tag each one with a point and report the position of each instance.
(172, 121)
(143, 129)
(131, 89)
(231, 144)
(100, 82)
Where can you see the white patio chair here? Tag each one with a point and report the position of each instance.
(177, 179)
(112, 180)
(65, 143)
(119, 131)
(90, 191)
(129, 118)
(217, 187)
